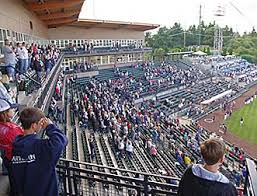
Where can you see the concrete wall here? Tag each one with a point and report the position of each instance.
(14, 16)
(69, 32)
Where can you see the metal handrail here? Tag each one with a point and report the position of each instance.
(116, 169)
(24, 74)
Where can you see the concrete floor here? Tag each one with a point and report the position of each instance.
(4, 182)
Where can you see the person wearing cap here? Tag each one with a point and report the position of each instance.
(4, 94)
(9, 59)
(8, 131)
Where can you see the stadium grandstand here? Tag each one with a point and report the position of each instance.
(134, 125)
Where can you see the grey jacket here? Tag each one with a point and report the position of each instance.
(9, 56)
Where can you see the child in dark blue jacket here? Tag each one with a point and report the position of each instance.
(34, 159)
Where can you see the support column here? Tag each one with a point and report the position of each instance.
(101, 60)
(108, 59)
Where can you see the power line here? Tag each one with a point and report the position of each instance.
(198, 34)
(206, 35)
(241, 13)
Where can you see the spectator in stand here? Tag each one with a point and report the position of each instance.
(92, 147)
(5, 91)
(155, 135)
(34, 49)
(23, 57)
(34, 159)
(206, 180)
(9, 59)
(26, 57)
(58, 91)
(153, 151)
(187, 160)
(129, 149)
(179, 157)
(8, 132)
(48, 63)
(38, 67)
(121, 147)
(238, 178)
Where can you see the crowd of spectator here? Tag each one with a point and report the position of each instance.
(93, 48)
(229, 66)
(79, 67)
(108, 107)
(154, 77)
(24, 57)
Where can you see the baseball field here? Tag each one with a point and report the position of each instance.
(248, 130)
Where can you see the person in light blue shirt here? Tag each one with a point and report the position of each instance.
(9, 60)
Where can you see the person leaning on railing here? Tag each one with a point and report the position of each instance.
(34, 159)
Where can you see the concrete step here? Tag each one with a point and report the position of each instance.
(4, 182)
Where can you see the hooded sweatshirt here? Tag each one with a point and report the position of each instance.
(34, 160)
(198, 181)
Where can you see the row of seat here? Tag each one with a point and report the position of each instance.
(141, 160)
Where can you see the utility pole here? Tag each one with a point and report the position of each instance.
(200, 25)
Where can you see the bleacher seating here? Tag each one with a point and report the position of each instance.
(165, 163)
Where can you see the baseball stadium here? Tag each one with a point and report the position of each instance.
(102, 107)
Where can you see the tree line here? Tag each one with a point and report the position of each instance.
(177, 39)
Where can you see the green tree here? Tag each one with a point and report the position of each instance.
(208, 51)
(159, 54)
(148, 39)
(172, 39)
(230, 51)
(224, 52)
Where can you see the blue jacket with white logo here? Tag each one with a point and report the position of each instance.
(34, 160)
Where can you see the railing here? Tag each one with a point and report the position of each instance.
(44, 95)
(240, 93)
(101, 51)
(80, 178)
(251, 179)
(77, 178)
(28, 77)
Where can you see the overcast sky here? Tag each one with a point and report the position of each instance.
(166, 12)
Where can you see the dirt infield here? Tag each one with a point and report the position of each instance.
(250, 149)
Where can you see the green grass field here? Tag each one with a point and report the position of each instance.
(248, 130)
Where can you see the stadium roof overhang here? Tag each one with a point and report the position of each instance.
(219, 96)
(107, 24)
(55, 13)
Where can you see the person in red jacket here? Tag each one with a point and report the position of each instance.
(8, 132)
